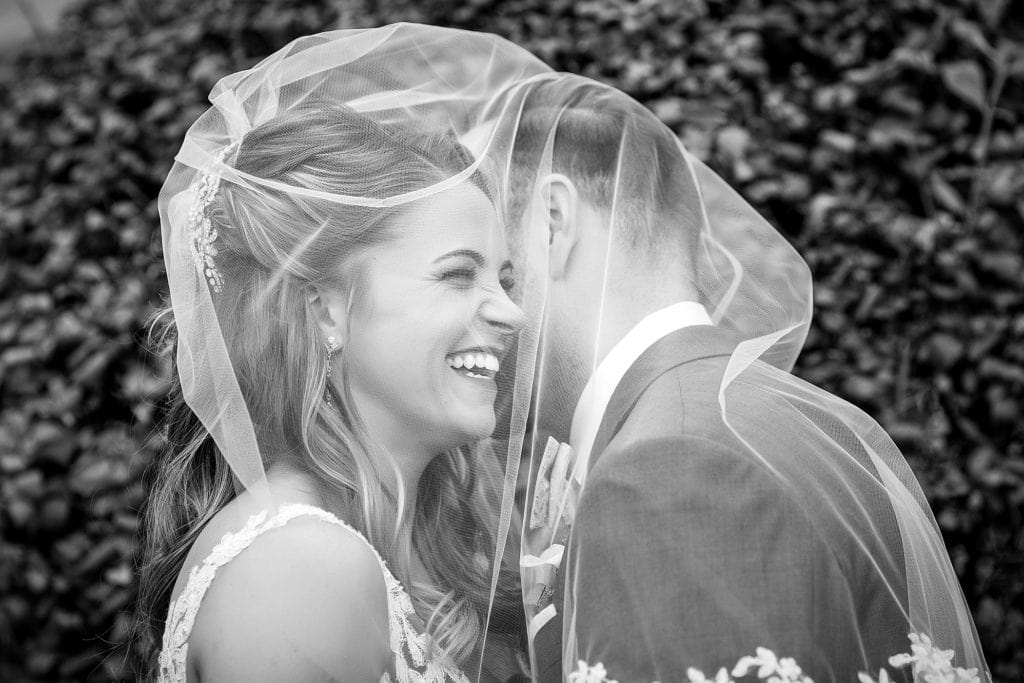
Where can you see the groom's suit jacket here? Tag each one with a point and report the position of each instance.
(687, 554)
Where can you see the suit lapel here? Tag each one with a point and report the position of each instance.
(675, 349)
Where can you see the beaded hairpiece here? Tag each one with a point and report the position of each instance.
(202, 234)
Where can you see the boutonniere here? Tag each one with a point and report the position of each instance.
(539, 574)
(552, 512)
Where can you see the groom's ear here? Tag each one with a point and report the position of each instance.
(563, 222)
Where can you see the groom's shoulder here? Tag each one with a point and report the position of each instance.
(681, 402)
(667, 478)
(673, 461)
(676, 429)
(686, 400)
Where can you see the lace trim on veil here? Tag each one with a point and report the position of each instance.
(409, 647)
(930, 665)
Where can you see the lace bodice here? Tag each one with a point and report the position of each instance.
(408, 646)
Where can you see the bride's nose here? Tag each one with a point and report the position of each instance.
(500, 311)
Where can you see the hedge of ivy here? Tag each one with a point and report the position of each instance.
(883, 137)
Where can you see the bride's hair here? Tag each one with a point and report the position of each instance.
(272, 247)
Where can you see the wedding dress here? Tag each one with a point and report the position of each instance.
(411, 660)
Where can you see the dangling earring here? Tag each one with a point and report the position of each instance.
(332, 344)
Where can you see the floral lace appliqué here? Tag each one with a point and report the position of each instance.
(409, 647)
(930, 665)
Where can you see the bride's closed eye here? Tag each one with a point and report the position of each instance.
(465, 277)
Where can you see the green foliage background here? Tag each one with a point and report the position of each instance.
(883, 137)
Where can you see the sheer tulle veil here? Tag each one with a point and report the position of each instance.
(460, 109)
(300, 166)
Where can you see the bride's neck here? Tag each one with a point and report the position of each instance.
(291, 485)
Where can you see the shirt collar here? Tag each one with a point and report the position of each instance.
(593, 402)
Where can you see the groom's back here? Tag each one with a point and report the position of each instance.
(737, 553)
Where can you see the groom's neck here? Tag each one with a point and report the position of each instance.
(624, 312)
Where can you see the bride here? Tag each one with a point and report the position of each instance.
(335, 493)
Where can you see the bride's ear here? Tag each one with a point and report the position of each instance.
(330, 310)
(563, 230)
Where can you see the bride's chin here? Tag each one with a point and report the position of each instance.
(469, 432)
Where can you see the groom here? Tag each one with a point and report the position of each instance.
(683, 553)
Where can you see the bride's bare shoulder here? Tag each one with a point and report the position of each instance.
(305, 601)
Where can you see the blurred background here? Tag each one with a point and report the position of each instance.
(884, 138)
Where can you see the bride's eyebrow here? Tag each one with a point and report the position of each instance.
(469, 253)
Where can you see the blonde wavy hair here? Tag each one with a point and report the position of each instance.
(277, 356)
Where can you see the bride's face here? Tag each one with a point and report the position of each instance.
(431, 323)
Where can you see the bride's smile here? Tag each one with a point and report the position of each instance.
(477, 363)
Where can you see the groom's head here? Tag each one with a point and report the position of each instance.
(607, 184)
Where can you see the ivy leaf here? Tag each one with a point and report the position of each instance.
(992, 11)
(966, 80)
(946, 194)
(970, 33)
(1009, 55)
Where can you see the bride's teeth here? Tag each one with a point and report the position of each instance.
(478, 361)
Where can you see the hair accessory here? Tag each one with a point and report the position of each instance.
(201, 231)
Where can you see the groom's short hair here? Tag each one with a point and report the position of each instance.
(650, 187)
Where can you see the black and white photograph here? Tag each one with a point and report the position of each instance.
(498, 341)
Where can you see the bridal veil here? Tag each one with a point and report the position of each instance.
(518, 122)
(405, 93)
